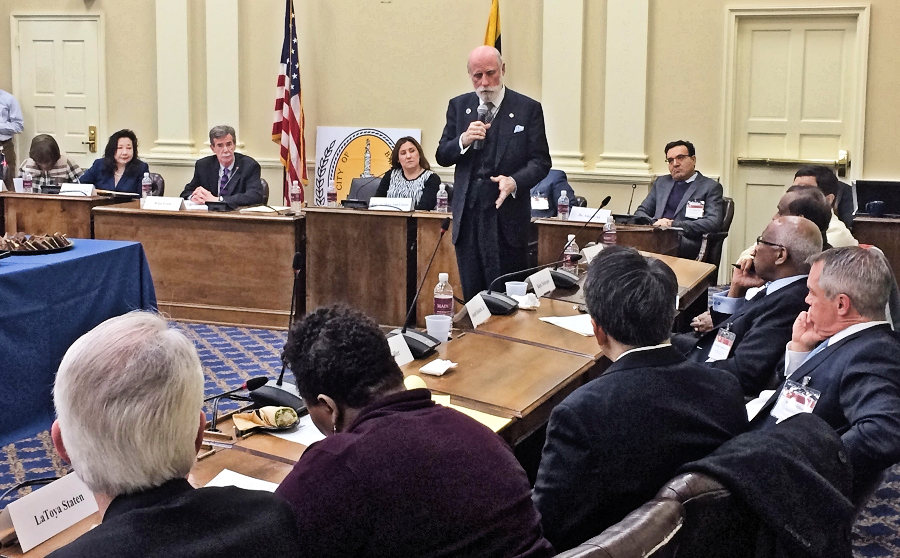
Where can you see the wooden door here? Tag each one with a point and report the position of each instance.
(798, 95)
(59, 68)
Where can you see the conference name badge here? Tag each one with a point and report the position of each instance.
(722, 345)
(694, 210)
(539, 203)
(795, 398)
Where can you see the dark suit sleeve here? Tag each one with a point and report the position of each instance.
(870, 400)
(381, 192)
(249, 190)
(93, 174)
(563, 490)
(538, 164)
(195, 181)
(428, 201)
(448, 148)
(648, 206)
(713, 212)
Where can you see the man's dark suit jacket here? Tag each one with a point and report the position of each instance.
(614, 442)
(177, 520)
(244, 188)
(859, 381)
(762, 327)
(522, 154)
(701, 189)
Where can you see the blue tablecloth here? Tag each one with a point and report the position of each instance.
(46, 303)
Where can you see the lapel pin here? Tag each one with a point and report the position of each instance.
(511, 115)
(468, 111)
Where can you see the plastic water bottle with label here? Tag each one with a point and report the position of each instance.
(609, 232)
(442, 199)
(146, 185)
(571, 250)
(443, 296)
(562, 206)
(27, 183)
(331, 195)
(295, 198)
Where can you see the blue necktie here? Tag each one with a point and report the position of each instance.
(224, 182)
(819, 348)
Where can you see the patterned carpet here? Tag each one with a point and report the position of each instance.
(232, 355)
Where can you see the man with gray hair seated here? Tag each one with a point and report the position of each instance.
(229, 177)
(129, 396)
(843, 361)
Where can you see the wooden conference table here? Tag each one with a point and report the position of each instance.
(553, 235)
(228, 268)
(51, 213)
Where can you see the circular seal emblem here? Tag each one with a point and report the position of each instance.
(363, 153)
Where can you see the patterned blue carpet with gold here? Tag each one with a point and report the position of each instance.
(232, 355)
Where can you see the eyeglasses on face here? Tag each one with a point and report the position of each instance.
(679, 158)
(759, 240)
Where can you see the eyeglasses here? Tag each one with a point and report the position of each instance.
(759, 240)
(678, 158)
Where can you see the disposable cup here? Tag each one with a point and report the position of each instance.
(438, 326)
(517, 288)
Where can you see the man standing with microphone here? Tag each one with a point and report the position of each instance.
(496, 139)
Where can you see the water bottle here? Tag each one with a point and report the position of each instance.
(331, 195)
(27, 183)
(571, 250)
(295, 198)
(442, 198)
(443, 296)
(609, 232)
(146, 185)
(562, 206)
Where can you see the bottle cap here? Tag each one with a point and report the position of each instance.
(443, 186)
(443, 277)
(146, 175)
(571, 237)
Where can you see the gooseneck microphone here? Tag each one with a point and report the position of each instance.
(421, 344)
(603, 204)
(249, 385)
(633, 188)
(500, 303)
(482, 115)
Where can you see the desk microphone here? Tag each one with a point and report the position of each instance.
(421, 344)
(249, 385)
(482, 114)
(499, 303)
(631, 201)
(279, 393)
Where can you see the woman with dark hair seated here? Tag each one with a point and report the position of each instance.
(119, 169)
(396, 475)
(410, 176)
(47, 165)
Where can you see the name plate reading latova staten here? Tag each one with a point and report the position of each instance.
(162, 203)
(71, 189)
(48, 511)
(584, 214)
(391, 204)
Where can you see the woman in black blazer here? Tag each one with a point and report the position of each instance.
(119, 169)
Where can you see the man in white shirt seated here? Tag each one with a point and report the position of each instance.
(843, 361)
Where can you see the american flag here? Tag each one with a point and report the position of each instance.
(287, 128)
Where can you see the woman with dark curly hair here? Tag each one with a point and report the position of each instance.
(396, 475)
(119, 169)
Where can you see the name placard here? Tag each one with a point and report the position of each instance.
(590, 252)
(399, 350)
(391, 204)
(70, 189)
(584, 214)
(49, 511)
(478, 311)
(162, 203)
(542, 282)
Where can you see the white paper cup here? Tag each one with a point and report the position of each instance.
(517, 288)
(438, 326)
(19, 184)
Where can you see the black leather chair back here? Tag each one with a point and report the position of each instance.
(649, 530)
(158, 184)
(265, 188)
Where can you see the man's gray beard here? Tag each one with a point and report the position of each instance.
(488, 96)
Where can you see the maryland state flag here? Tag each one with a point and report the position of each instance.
(492, 34)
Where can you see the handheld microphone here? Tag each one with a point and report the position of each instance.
(421, 344)
(500, 303)
(482, 114)
(633, 188)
